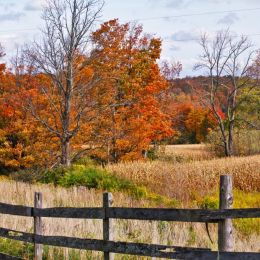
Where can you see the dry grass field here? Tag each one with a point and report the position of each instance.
(188, 181)
(185, 152)
(182, 180)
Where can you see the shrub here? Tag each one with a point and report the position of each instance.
(152, 153)
(245, 142)
(16, 248)
(86, 161)
(208, 202)
(30, 175)
(98, 178)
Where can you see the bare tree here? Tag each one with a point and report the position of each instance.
(227, 61)
(2, 53)
(62, 54)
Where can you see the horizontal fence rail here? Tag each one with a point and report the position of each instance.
(8, 257)
(140, 249)
(182, 215)
(221, 216)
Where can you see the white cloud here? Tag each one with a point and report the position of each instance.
(184, 36)
(35, 5)
(7, 6)
(11, 16)
(176, 4)
(228, 19)
(175, 48)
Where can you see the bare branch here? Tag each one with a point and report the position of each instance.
(65, 38)
(221, 58)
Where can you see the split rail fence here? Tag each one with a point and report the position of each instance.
(223, 217)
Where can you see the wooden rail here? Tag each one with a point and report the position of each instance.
(223, 217)
(181, 215)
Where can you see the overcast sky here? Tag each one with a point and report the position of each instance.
(178, 22)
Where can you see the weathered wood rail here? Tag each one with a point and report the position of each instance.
(223, 217)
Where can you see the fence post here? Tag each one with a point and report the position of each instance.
(37, 226)
(154, 235)
(107, 225)
(225, 232)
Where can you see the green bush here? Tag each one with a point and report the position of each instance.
(90, 177)
(93, 177)
(53, 176)
(152, 153)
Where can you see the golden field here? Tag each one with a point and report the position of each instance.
(197, 174)
(189, 180)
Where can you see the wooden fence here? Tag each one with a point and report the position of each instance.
(222, 216)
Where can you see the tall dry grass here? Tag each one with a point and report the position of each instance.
(184, 153)
(179, 234)
(182, 180)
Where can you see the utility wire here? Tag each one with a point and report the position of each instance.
(196, 39)
(164, 17)
(197, 14)
(20, 30)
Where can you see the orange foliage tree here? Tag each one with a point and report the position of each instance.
(190, 121)
(131, 117)
(198, 123)
(23, 142)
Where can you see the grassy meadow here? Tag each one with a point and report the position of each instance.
(180, 176)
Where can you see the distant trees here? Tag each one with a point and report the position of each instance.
(191, 122)
(227, 61)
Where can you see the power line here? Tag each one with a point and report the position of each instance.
(162, 17)
(20, 30)
(196, 39)
(196, 14)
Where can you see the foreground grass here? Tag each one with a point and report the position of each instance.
(178, 178)
(162, 232)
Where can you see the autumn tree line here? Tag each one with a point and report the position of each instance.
(102, 91)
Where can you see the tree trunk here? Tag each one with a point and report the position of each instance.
(65, 153)
(230, 139)
(226, 148)
(113, 152)
(225, 138)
